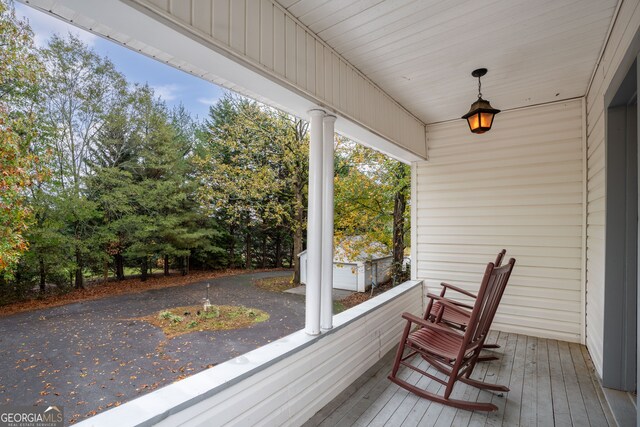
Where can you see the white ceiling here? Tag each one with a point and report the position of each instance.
(422, 52)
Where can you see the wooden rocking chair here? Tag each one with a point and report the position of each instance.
(449, 350)
(458, 319)
(435, 312)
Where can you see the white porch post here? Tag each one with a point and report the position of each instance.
(314, 225)
(326, 307)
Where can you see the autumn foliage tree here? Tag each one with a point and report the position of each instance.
(20, 150)
(371, 199)
(252, 170)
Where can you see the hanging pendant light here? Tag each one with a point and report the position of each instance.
(480, 115)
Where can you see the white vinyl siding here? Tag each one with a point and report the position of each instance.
(518, 187)
(625, 28)
(268, 38)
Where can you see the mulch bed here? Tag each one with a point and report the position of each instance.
(360, 297)
(183, 320)
(275, 284)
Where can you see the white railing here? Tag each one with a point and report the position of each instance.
(282, 383)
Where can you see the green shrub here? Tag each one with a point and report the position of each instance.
(213, 313)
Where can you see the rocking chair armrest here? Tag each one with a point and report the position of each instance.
(450, 302)
(430, 325)
(457, 289)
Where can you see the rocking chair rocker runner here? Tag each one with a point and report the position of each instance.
(449, 350)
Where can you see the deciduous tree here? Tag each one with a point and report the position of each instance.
(253, 173)
(20, 146)
(81, 89)
(371, 198)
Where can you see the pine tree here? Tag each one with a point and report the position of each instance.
(166, 221)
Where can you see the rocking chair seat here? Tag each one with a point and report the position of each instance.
(446, 346)
(453, 317)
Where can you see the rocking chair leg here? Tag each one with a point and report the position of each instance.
(490, 346)
(483, 385)
(396, 362)
(462, 404)
(487, 358)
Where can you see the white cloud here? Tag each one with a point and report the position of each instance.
(168, 92)
(44, 26)
(209, 101)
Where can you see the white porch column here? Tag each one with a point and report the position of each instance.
(326, 307)
(314, 225)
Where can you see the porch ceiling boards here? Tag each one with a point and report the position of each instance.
(421, 52)
(551, 383)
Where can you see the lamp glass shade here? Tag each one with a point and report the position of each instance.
(480, 116)
(474, 121)
(486, 119)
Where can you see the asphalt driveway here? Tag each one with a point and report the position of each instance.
(92, 355)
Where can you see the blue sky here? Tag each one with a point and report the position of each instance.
(172, 85)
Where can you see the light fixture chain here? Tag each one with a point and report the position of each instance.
(479, 88)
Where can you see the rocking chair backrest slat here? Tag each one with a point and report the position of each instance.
(491, 290)
(500, 277)
(478, 307)
(431, 311)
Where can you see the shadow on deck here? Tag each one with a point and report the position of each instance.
(551, 382)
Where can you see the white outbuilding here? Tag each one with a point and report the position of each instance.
(356, 274)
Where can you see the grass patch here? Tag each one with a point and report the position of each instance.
(338, 307)
(183, 320)
(275, 284)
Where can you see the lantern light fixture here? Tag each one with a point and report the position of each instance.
(481, 113)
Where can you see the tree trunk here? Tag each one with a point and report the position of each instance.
(166, 265)
(399, 206)
(297, 232)
(119, 261)
(232, 248)
(248, 260)
(185, 265)
(278, 262)
(79, 280)
(144, 270)
(42, 275)
(291, 257)
(264, 251)
(105, 270)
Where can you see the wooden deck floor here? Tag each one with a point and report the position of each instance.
(551, 383)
